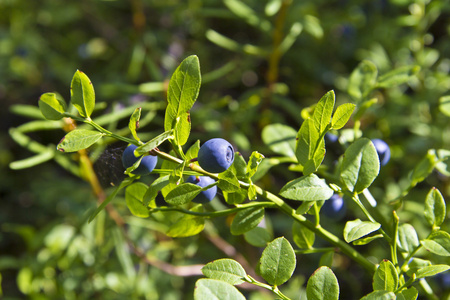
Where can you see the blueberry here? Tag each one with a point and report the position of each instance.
(334, 208)
(147, 164)
(384, 153)
(202, 181)
(330, 138)
(216, 155)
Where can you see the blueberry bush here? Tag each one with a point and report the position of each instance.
(252, 192)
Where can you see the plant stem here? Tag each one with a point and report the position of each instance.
(215, 214)
(284, 207)
(274, 288)
(102, 130)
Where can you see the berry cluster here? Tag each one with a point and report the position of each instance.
(215, 156)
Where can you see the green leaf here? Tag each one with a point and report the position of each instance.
(408, 294)
(52, 106)
(302, 236)
(342, 115)
(356, 229)
(438, 243)
(188, 225)
(245, 12)
(431, 270)
(153, 143)
(211, 289)
(322, 285)
(366, 240)
(239, 167)
(385, 277)
(177, 173)
(228, 181)
(227, 270)
(182, 194)
(134, 122)
(444, 105)
(253, 163)
(251, 192)
(309, 148)
(82, 94)
(323, 111)
(423, 168)
(307, 188)
(416, 264)
(307, 138)
(32, 161)
(435, 210)
(443, 164)
(280, 139)
(360, 165)
(123, 184)
(379, 295)
(398, 76)
(134, 195)
(362, 80)
(152, 192)
(277, 261)
(183, 90)
(246, 220)
(258, 237)
(193, 151)
(304, 207)
(407, 238)
(235, 197)
(78, 139)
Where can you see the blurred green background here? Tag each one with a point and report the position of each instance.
(262, 62)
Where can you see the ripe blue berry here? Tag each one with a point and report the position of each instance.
(330, 138)
(334, 208)
(384, 153)
(202, 181)
(216, 155)
(147, 164)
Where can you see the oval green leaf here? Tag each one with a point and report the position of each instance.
(82, 94)
(153, 143)
(78, 139)
(258, 237)
(302, 236)
(280, 139)
(360, 165)
(385, 277)
(277, 261)
(356, 229)
(134, 195)
(182, 194)
(407, 238)
(380, 295)
(322, 285)
(52, 106)
(227, 270)
(188, 225)
(435, 210)
(323, 111)
(211, 289)
(307, 188)
(246, 220)
(183, 90)
(438, 243)
(408, 294)
(342, 115)
(431, 270)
